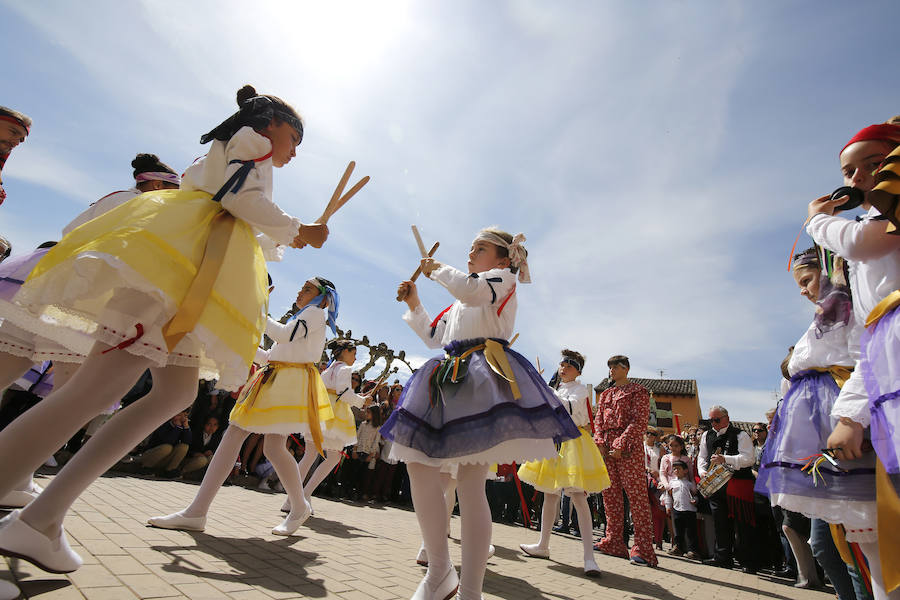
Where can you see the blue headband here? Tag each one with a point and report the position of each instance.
(332, 304)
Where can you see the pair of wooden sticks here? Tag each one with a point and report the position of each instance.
(428, 254)
(337, 199)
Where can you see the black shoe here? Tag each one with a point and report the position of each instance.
(749, 570)
(785, 573)
(717, 562)
(561, 529)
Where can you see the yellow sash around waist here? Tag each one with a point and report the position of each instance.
(839, 373)
(495, 355)
(261, 379)
(195, 299)
(887, 304)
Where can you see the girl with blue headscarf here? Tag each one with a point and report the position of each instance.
(285, 396)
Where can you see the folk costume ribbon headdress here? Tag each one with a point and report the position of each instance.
(256, 112)
(516, 249)
(158, 176)
(328, 293)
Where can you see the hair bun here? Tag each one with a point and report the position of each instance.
(245, 93)
(145, 162)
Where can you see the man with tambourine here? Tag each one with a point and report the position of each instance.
(727, 447)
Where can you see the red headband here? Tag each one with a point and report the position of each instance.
(883, 132)
(16, 121)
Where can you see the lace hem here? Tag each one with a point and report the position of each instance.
(851, 514)
(518, 451)
(134, 300)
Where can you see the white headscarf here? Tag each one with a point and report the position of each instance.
(517, 255)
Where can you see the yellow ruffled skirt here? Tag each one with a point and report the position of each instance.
(134, 264)
(290, 398)
(340, 432)
(578, 468)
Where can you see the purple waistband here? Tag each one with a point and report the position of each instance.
(787, 465)
(882, 399)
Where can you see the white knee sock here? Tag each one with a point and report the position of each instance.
(870, 549)
(476, 529)
(448, 484)
(332, 458)
(306, 462)
(217, 472)
(275, 447)
(62, 372)
(585, 523)
(102, 380)
(428, 501)
(174, 388)
(548, 519)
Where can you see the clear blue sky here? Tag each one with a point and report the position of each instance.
(659, 156)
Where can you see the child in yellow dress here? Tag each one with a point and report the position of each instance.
(174, 281)
(579, 469)
(285, 396)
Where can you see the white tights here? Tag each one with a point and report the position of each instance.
(870, 549)
(98, 383)
(585, 523)
(332, 458)
(275, 448)
(475, 514)
(11, 368)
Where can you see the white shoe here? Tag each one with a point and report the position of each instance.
(286, 507)
(535, 550)
(422, 557)
(20, 540)
(179, 521)
(292, 522)
(21, 498)
(591, 568)
(51, 462)
(491, 551)
(445, 589)
(8, 590)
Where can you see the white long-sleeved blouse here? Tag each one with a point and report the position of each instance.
(300, 340)
(338, 377)
(574, 395)
(474, 314)
(253, 202)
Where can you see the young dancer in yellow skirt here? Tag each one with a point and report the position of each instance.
(340, 432)
(578, 470)
(285, 396)
(174, 281)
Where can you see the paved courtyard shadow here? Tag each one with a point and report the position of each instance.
(277, 553)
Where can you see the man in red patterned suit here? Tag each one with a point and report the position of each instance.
(623, 411)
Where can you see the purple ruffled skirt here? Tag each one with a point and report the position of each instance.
(14, 271)
(477, 420)
(800, 430)
(880, 366)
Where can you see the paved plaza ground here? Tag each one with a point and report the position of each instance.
(346, 551)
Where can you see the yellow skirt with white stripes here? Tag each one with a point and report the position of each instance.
(578, 468)
(339, 432)
(281, 402)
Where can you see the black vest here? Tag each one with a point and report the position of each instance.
(728, 444)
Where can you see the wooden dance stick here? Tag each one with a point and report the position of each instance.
(418, 270)
(337, 199)
(419, 242)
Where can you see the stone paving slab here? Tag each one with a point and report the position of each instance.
(346, 551)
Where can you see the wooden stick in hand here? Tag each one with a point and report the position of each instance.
(418, 270)
(337, 199)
